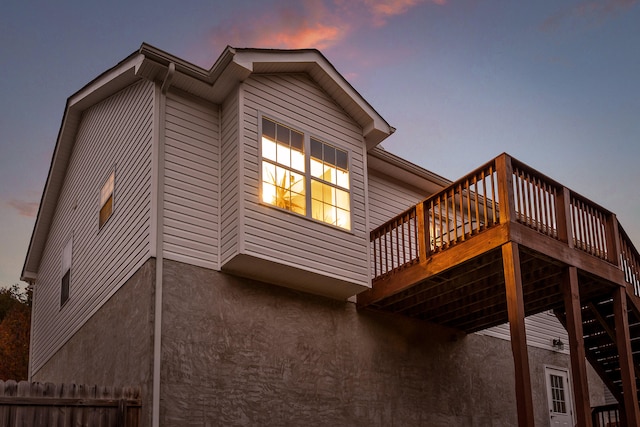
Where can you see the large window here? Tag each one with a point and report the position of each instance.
(299, 171)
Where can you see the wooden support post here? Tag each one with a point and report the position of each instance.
(573, 308)
(515, 308)
(623, 342)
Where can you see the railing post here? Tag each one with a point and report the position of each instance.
(423, 232)
(563, 215)
(504, 171)
(613, 240)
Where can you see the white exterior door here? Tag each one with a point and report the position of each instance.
(559, 397)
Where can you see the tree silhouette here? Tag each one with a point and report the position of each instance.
(15, 322)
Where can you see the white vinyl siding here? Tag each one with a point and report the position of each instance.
(229, 176)
(542, 329)
(115, 133)
(289, 239)
(389, 197)
(191, 182)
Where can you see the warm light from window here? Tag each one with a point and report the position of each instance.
(285, 179)
(283, 167)
(330, 199)
(106, 200)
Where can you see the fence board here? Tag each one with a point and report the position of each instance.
(67, 405)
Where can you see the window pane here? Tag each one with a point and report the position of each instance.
(342, 200)
(296, 141)
(269, 129)
(316, 149)
(105, 212)
(341, 160)
(329, 214)
(316, 210)
(329, 173)
(316, 190)
(342, 178)
(283, 155)
(281, 177)
(329, 154)
(106, 200)
(316, 168)
(269, 173)
(297, 160)
(268, 149)
(67, 253)
(343, 219)
(107, 190)
(268, 193)
(296, 182)
(282, 135)
(64, 288)
(298, 201)
(328, 194)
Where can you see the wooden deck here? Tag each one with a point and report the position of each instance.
(505, 242)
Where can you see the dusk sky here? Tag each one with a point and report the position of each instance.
(556, 84)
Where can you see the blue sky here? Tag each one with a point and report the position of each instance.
(555, 84)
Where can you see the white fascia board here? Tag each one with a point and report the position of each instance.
(396, 167)
(108, 83)
(311, 61)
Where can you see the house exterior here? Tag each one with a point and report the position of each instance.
(204, 234)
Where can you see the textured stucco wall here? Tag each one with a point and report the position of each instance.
(240, 352)
(115, 346)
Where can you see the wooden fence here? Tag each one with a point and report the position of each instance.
(68, 405)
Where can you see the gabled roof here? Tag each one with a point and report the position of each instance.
(235, 65)
(231, 68)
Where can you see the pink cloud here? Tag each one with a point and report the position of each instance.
(595, 11)
(24, 208)
(383, 9)
(309, 24)
(318, 24)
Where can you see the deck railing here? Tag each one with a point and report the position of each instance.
(629, 261)
(589, 227)
(462, 210)
(455, 214)
(395, 244)
(606, 416)
(535, 200)
(472, 205)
